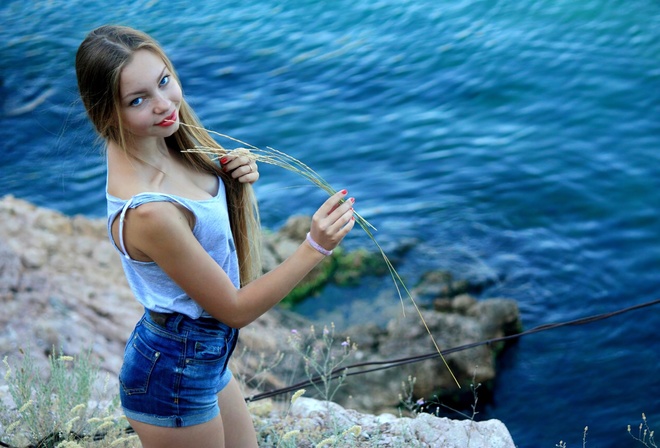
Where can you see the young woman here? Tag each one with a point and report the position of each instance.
(186, 228)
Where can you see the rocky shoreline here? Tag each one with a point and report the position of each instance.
(61, 286)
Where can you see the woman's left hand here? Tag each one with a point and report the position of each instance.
(240, 167)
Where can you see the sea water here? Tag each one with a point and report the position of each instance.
(516, 142)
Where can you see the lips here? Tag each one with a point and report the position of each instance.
(169, 120)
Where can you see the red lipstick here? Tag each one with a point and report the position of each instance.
(169, 120)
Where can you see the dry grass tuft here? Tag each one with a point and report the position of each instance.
(280, 159)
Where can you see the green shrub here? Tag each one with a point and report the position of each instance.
(61, 407)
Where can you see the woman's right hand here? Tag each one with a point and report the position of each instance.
(333, 220)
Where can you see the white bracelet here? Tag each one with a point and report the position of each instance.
(317, 246)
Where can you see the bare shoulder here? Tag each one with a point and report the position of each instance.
(155, 227)
(154, 218)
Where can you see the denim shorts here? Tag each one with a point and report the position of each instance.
(172, 373)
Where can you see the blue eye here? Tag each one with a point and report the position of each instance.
(136, 101)
(165, 80)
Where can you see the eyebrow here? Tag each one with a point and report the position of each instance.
(139, 92)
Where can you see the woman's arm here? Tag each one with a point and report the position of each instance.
(161, 231)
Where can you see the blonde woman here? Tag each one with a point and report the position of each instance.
(185, 227)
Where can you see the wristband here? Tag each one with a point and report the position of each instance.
(317, 246)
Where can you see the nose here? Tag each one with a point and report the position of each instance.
(161, 104)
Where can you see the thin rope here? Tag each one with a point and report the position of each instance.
(388, 364)
(382, 365)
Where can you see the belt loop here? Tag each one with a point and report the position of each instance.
(176, 321)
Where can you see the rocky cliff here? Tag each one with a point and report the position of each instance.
(62, 287)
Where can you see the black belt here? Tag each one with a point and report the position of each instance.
(161, 319)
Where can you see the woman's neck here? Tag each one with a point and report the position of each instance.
(141, 167)
(156, 170)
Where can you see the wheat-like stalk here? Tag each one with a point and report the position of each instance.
(280, 159)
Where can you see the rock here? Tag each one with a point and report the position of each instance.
(296, 228)
(10, 272)
(69, 283)
(62, 287)
(352, 428)
(441, 285)
(34, 257)
(462, 320)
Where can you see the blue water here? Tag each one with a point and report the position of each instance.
(517, 141)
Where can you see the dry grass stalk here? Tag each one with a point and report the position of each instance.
(280, 159)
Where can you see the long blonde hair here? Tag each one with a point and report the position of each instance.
(99, 62)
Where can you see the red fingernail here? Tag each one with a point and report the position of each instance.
(223, 160)
(344, 191)
(352, 200)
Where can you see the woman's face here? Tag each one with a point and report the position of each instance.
(150, 97)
